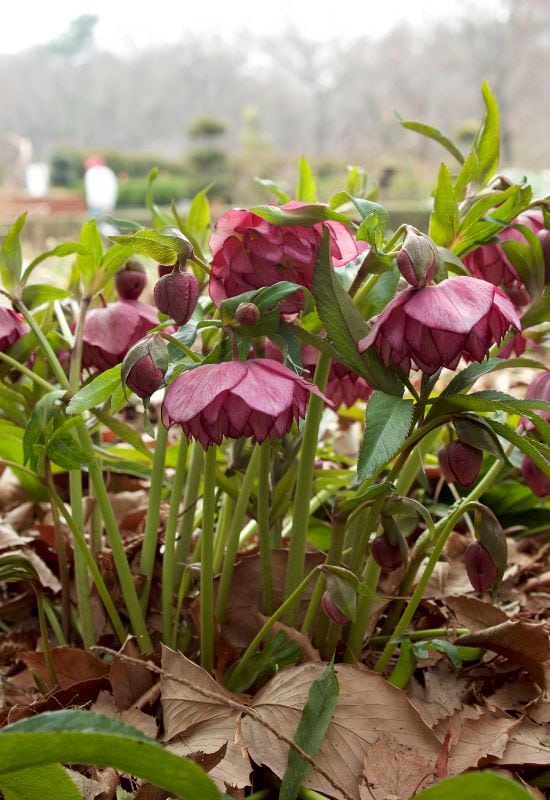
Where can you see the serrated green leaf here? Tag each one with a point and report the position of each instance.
(305, 215)
(484, 204)
(444, 219)
(63, 449)
(96, 392)
(526, 443)
(487, 227)
(38, 293)
(487, 141)
(165, 246)
(88, 263)
(477, 432)
(316, 717)
(306, 190)
(113, 260)
(48, 782)
(388, 422)
(468, 376)
(83, 737)
(435, 134)
(475, 786)
(197, 222)
(273, 187)
(11, 258)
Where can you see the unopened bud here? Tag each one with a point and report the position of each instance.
(247, 314)
(534, 477)
(165, 269)
(418, 258)
(490, 534)
(482, 570)
(544, 238)
(460, 463)
(176, 295)
(130, 280)
(145, 365)
(332, 611)
(388, 556)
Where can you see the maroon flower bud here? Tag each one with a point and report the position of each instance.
(176, 295)
(332, 611)
(480, 566)
(388, 556)
(418, 258)
(165, 269)
(247, 314)
(544, 238)
(144, 366)
(460, 463)
(130, 280)
(534, 477)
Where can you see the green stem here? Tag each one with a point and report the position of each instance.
(52, 677)
(365, 602)
(444, 527)
(268, 624)
(26, 371)
(420, 636)
(51, 616)
(207, 559)
(225, 518)
(264, 528)
(169, 556)
(304, 481)
(125, 578)
(80, 542)
(190, 497)
(232, 547)
(61, 548)
(334, 557)
(151, 532)
(53, 361)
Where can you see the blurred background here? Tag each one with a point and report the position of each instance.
(223, 93)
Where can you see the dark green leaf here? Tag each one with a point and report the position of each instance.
(475, 786)
(11, 258)
(388, 423)
(444, 220)
(371, 494)
(83, 737)
(38, 293)
(63, 449)
(313, 725)
(468, 376)
(47, 782)
(487, 141)
(477, 432)
(96, 392)
(306, 190)
(435, 134)
(524, 442)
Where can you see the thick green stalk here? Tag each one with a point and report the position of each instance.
(80, 542)
(63, 563)
(53, 361)
(232, 546)
(334, 557)
(225, 517)
(264, 528)
(268, 624)
(45, 641)
(207, 561)
(169, 556)
(444, 527)
(152, 520)
(125, 578)
(51, 616)
(365, 603)
(26, 371)
(190, 497)
(80, 566)
(304, 482)
(420, 636)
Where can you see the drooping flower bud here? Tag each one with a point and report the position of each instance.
(544, 238)
(481, 569)
(165, 269)
(247, 314)
(534, 477)
(332, 611)
(388, 556)
(145, 365)
(130, 280)
(492, 538)
(176, 295)
(460, 463)
(418, 258)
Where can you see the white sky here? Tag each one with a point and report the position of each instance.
(127, 24)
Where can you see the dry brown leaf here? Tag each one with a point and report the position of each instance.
(514, 696)
(105, 704)
(393, 771)
(128, 680)
(46, 577)
(529, 744)
(520, 642)
(473, 613)
(195, 725)
(477, 735)
(9, 537)
(72, 666)
(445, 687)
(367, 707)
(88, 787)
(309, 652)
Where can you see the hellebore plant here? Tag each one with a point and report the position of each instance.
(268, 331)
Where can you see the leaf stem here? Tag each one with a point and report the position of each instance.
(169, 555)
(207, 559)
(151, 532)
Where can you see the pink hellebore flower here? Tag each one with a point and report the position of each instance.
(12, 328)
(110, 332)
(490, 263)
(436, 326)
(249, 252)
(258, 398)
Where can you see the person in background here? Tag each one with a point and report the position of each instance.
(101, 188)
